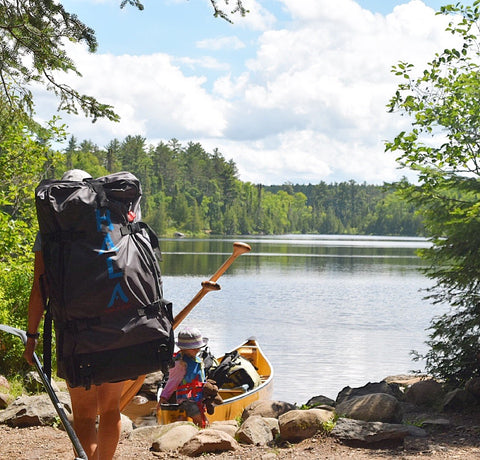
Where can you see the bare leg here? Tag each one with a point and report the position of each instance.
(84, 406)
(108, 401)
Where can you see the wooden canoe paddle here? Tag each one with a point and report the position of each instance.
(131, 387)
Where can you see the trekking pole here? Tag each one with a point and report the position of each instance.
(81, 455)
(207, 286)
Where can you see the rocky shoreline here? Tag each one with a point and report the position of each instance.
(399, 415)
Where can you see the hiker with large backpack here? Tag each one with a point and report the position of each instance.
(95, 263)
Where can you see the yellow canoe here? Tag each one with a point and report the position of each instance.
(235, 400)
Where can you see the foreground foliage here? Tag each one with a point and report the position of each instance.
(33, 34)
(443, 147)
(25, 158)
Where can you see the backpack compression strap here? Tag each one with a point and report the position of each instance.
(80, 324)
(136, 227)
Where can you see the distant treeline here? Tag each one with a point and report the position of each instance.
(187, 189)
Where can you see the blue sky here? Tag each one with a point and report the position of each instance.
(294, 92)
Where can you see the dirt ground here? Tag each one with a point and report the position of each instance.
(460, 440)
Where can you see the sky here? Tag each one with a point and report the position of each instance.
(295, 92)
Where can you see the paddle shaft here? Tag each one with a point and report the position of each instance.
(132, 387)
(238, 249)
(207, 286)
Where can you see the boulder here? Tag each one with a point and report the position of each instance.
(150, 385)
(33, 410)
(361, 432)
(126, 427)
(376, 407)
(457, 400)
(5, 400)
(33, 383)
(173, 436)
(144, 434)
(228, 426)
(297, 425)
(267, 409)
(4, 385)
(391, 389)
(258, 430)
(405, 380)
(436, 424)
(274, 425)
(208, 441)
(320, 401)
(473, 387)
(428, 393)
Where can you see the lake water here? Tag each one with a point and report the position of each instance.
(328, 311)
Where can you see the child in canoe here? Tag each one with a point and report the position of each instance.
(187, 377)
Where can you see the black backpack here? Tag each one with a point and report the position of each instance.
(209, 361)
(103, 280)
(234, 371)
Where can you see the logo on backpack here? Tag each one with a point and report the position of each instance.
(108, 246)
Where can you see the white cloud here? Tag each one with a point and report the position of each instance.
(205, 62)
(310, 106)
(151, 94)
(258, 17)
(328, 77)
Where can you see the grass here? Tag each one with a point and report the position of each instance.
(418, 423)
(16, 386)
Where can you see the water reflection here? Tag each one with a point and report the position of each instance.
(328, 312)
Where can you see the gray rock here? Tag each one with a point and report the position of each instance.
(274, 425)
(33, 383)
(391, 389)
(33, 410)
(436, 423)
(320, 401)
(4, 400)
(473, 387)
(150, 385)
(144, 433)
(297, 425)
(457, 400)
(173, 436)
(376, 407)
(358, 431)
(225, 422)
(4, 385)
(229, 428)
(256, 430)
(267, 409)
(405, 380)
(428, 393)
(416, 431)
(208, 441)
(126, 427)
